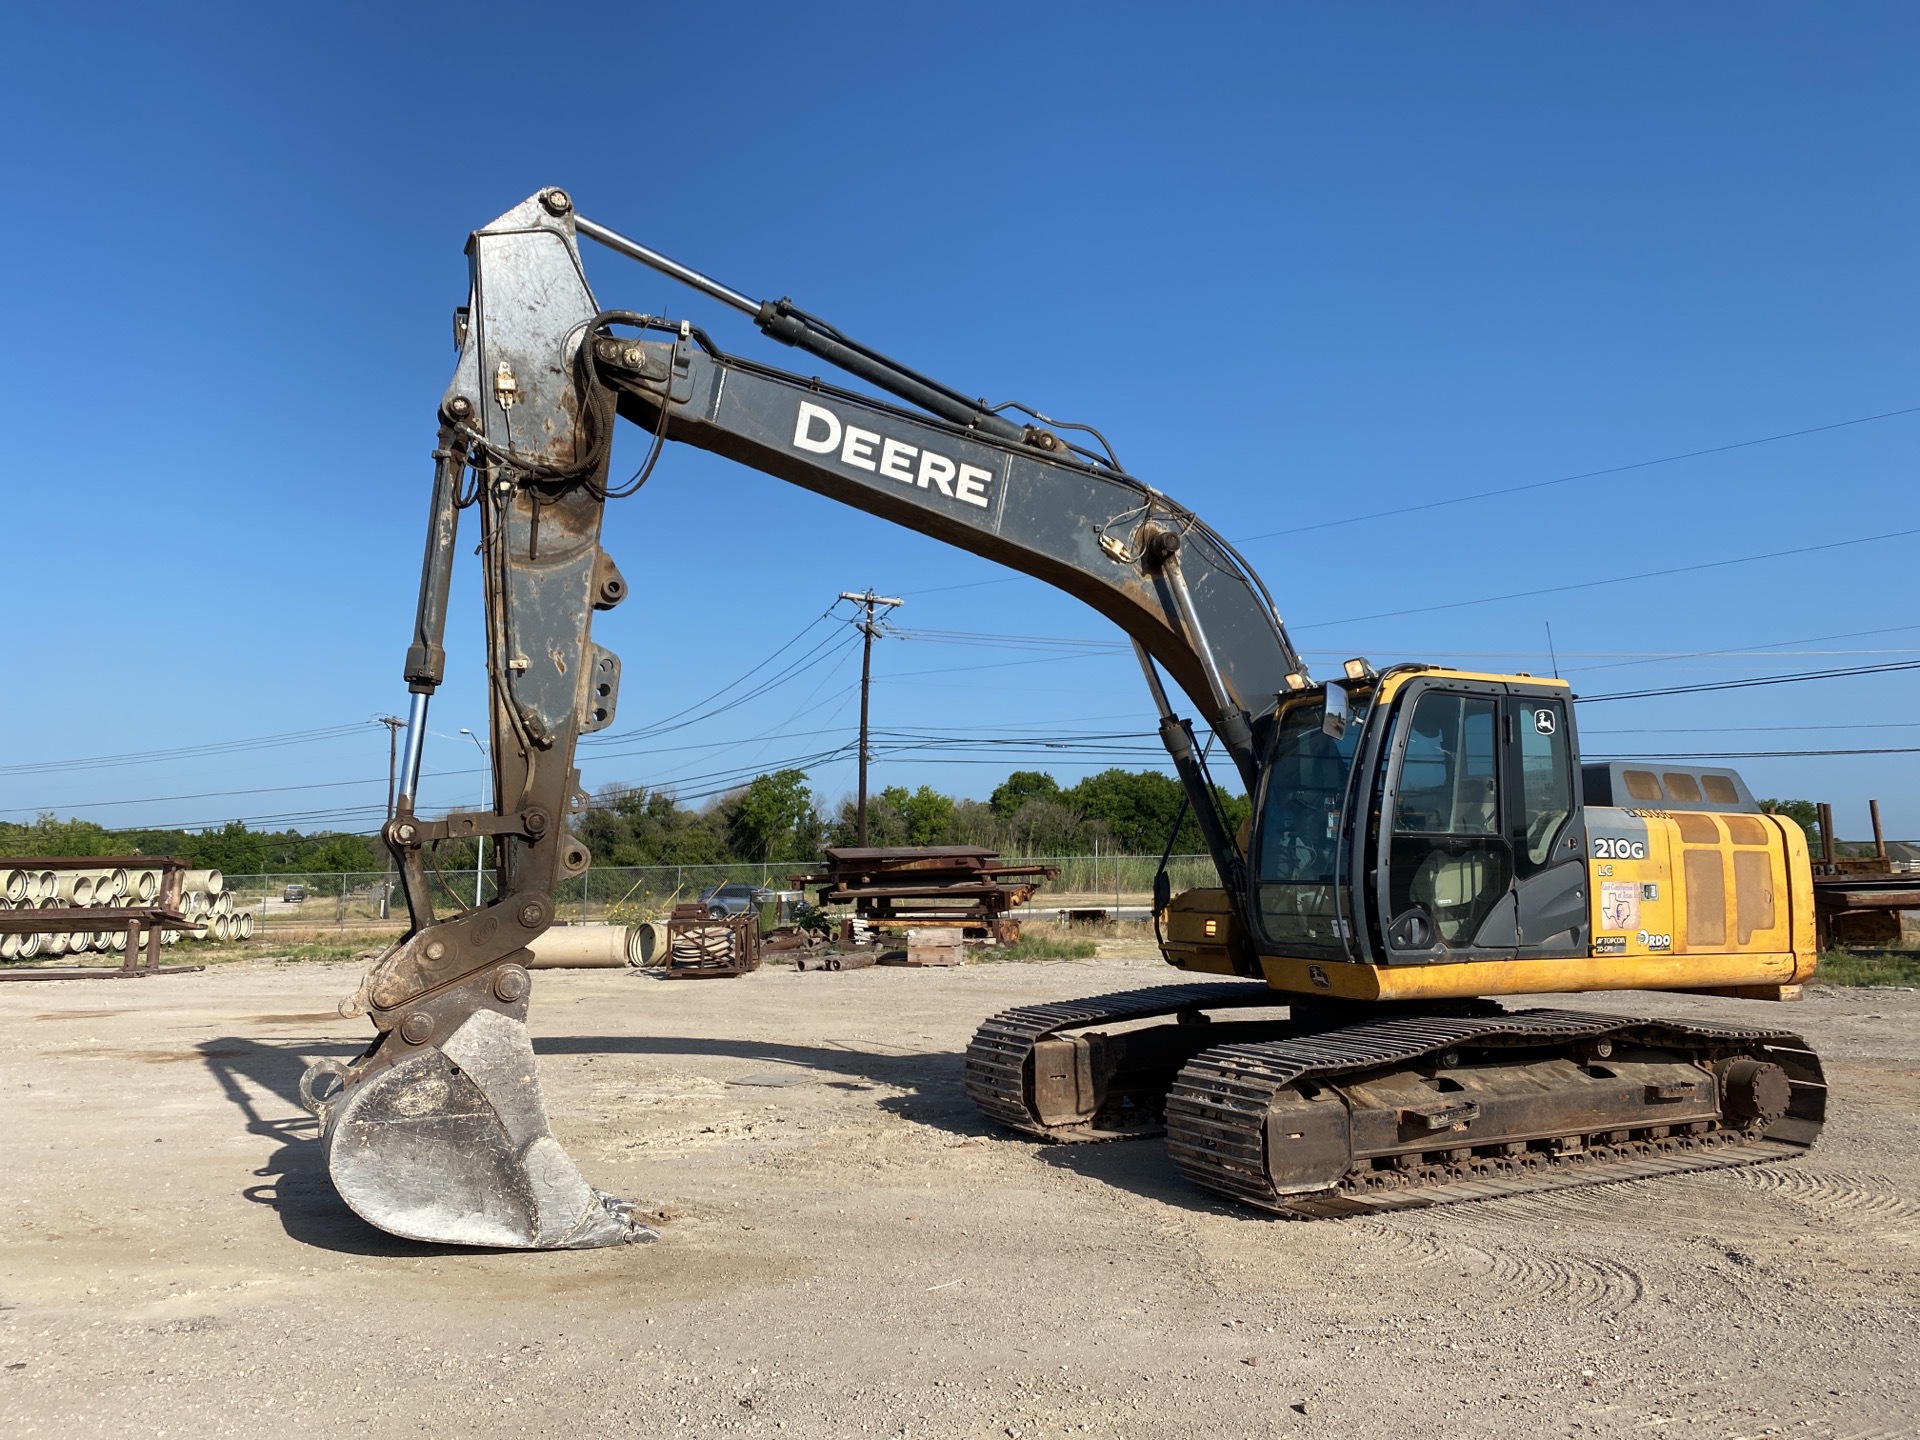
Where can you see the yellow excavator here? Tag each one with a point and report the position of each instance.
(1422, 840)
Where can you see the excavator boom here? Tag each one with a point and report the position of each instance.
(438, 1132)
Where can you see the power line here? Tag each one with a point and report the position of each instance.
(1752, 729)
(665, 722)
(1584, 475)
(1750, 683)
(1615, 580)
(1759, 754)
(1772, 646)
(1000, 641)
(216, 747)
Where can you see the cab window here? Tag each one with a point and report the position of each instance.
(1546, 779)
(1296, 849)
(1447, 779)
(1449, 864)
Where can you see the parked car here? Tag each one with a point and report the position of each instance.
(736, 897)
(294, 894)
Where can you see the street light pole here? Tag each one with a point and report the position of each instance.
(486, 803)
(868, 629)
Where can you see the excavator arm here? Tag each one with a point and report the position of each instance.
(438, 1131)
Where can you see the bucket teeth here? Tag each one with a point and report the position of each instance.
(451, 1145)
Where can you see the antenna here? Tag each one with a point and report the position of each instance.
(1550, 655)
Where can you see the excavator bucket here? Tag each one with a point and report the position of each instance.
(449, 1143)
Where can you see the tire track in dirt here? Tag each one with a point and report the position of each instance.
(1524, 1273)
(1869, 1201)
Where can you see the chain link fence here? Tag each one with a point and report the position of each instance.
(349, 901)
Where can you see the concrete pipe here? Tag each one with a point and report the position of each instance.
(223, 902)
(211, 881)
(9, 947)
(49, 885)
(585, 947)
(198, 931)
(58, 942)
(244, 924)
(142, 886)
(16, 886)
(222, 928)
(89, 887)
(653, 942)
(30, 946)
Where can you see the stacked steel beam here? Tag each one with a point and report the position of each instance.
(932, 886)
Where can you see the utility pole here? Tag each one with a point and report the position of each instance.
(486, 803)
(869, 629)
(394, 724)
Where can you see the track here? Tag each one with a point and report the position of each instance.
(998, 1057)
(1219, 1088)
(1218, 1110)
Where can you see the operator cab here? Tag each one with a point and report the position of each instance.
(1470, 843)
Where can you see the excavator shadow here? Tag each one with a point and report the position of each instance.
(935, 1092)
(1139, 1166)
(935, 1095)
(293, 1179)
(929, 1090)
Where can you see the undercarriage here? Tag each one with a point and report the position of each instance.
(1321, 1113)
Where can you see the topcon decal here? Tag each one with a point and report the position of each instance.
(818, 429)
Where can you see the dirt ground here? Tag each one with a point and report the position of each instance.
(848, 1249)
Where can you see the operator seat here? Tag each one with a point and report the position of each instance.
(1456, 888)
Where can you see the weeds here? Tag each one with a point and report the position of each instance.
(1860, 967)
(1037, 944)
(288, 951)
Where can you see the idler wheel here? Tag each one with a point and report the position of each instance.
(1756, 1091)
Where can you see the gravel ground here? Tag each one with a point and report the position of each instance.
(847, 1249)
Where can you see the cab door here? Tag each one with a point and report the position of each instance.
(1545, 831)
(1446, 891)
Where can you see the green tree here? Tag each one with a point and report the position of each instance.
(1021, 786)
(928, 814)
(50, 835)
(632, 825)
(1052, 827)
(773, 818)
(1137, 807)
(886, 826)
(232, 848)
(349, 853)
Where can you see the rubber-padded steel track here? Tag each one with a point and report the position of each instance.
(1217, 1110)
(997, 1055)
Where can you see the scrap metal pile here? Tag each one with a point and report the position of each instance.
(703, 946)
(928, 886)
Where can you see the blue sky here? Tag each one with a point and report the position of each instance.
(1303, 264)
